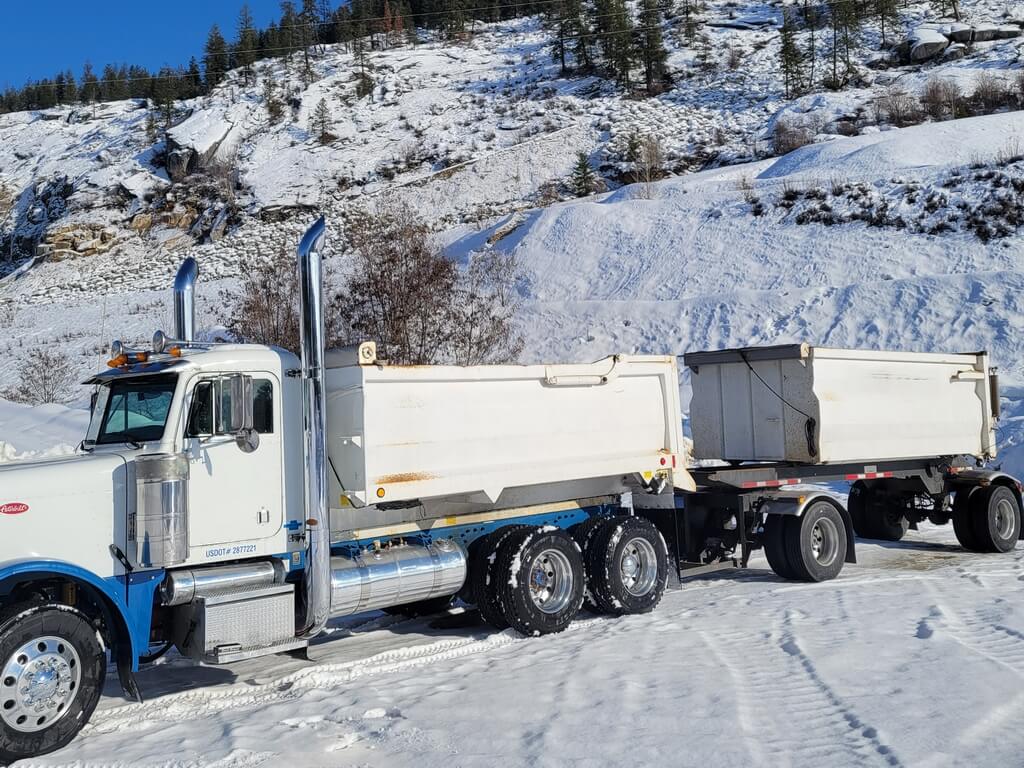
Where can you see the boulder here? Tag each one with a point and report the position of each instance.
(984, 33)
(926, 44)
(220, 225)
(954, 52)
(180, 163)
(141, 222)
(958, 33)
(1007, 31)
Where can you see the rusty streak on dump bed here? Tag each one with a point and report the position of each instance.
(405, 477)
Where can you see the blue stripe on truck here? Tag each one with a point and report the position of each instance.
(133, 601)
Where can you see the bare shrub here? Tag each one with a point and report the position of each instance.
(264, 308)
(734, 58)
(789, 135)
(650, 162)
(898, 106)
(416, 304)
(941, 99)
(44, 377)
(990, 92)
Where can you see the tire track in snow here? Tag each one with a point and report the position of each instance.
(194, 704)
(788, 713)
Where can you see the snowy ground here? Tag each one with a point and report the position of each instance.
(913, 656)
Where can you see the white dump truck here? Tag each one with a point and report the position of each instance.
(229, 499)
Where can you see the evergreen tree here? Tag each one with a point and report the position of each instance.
(846, 24)
(273, 105)
(555, 20)
(289, 36)
(193, 81)
(582, 35)
(152, 132)
(165, 91)
(812, 20)
(215, 58)
(307, 31)
(320, 123)
(90, 85)
(247, 43)
(652, 47)
(791, 57)
(582, 180)
(886, 12)
(620, 48)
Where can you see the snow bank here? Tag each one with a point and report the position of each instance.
(43, 430)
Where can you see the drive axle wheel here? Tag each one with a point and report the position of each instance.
(996, 518)
(51, 677)
(963, 519)
(539, 580)
(483, 587)
(627, 566)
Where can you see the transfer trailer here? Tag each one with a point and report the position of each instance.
(230, 499)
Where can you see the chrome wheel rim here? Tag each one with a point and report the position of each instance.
(638, 567)
(551, 581)
(38, 684)
(824, 541)
(1006, 519)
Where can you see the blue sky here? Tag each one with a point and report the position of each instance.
(42, 37)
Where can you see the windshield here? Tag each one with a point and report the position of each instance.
(136, 410)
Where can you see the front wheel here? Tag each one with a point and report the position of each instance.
(52, 673)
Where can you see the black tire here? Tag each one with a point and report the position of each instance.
(530, 607)
(483, 553)
(996, 518)
(963, 519)
(884, 521)
(816, 542)
(627, 566)
(774, 540)
(421, 607)
(583, 534)
(64, 639)
(856, 505)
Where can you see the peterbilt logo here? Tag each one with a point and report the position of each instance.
(13, 508)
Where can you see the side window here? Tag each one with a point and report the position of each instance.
(263, 406)
(201, 415)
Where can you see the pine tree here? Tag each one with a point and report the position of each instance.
(289, 36)
(582, 35)
(308, 36)
(215, 58)
(165, 91)
(791, 58)
(193, 82)
(811, 18)
(90, 85)
(273, 105)
(152, 133)
(556, 21)
(320, 123)
(621, 46)
(582, 180)
(886, 12)
(248, 40)
(652, 47)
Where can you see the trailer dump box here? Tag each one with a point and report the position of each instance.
(400, 433)
(806, 404)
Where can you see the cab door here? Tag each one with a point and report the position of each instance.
(235, 493)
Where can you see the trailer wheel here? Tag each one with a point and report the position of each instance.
(583, 534)
(816, 542)
(52, 669)
(627, 566)
(963, 519)
(996, 518)
(483, 553)
(539, 580)
(774, 540)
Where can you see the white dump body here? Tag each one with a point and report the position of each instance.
(800, 403)
(399, 433)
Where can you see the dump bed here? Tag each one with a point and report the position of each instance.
(800, 403)
(398, 433)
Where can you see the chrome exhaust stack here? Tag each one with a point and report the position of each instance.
(185, 300)
(316, 578)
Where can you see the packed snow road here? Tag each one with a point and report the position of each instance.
(913, 656)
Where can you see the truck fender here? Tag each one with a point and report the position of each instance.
(796, 502)
(126, 639)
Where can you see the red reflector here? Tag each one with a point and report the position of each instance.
(663, 462)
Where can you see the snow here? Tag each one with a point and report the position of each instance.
(748, 668)
(911, 657)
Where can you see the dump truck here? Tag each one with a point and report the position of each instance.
(228, 500)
